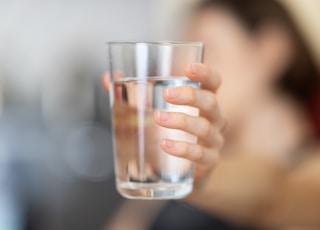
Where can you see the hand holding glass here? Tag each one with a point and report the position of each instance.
(140, 72)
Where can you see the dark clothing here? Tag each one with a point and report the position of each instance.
(181, 216)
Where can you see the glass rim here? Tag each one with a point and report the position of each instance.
(172, 43)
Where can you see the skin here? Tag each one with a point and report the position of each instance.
(256, 178)
(250, 63)
(204, 154)
(209, 124)
(258, 181)
(273, 197)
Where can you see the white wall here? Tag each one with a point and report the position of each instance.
(307, 15)
(42, 38)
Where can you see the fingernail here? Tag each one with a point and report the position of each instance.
(193, 68)
(172, 92)
(162, 116)
(168, 143)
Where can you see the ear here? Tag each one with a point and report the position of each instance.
(275, 47)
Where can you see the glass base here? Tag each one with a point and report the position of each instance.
(160, 191)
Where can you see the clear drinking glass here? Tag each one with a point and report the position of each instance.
(140, 71)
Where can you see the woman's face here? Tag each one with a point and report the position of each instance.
(226, 42)
(235, 54)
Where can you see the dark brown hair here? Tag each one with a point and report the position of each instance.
(300, 81)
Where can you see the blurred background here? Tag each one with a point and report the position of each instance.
(56, 164)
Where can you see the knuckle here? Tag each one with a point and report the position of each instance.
(223, 126)
(218, 80)
(205, 128)
(215, 78)
(183, 122)
(206, 70)
(220, 141)
(198, 153)
(192, 95)
(215, 158)
(211, 102)
(184, 150)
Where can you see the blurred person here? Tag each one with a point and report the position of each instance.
(268, 173)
